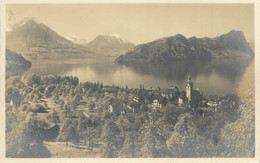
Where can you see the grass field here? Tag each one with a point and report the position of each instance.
(58, 150)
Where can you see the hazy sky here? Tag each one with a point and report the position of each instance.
(139, 23)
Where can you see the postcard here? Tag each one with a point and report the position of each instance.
(165, 80)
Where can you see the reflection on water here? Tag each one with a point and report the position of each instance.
(231, 69)
(212, 77)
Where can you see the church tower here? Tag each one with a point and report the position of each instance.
(189, 89)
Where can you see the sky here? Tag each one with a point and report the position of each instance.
(139, 23)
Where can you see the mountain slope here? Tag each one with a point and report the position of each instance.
(34, 39)
(110, 45)
(232, 44)
(15, 63)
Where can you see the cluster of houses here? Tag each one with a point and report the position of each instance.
(141, 96)
(184, 97)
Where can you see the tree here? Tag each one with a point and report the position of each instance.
(152, 140)
(69, 132)
(186, 142)
(82, 128)
(91, 105)
(74, 103)
(171, 114)
(67, 110)
(47, 93)
(112, 139)
(237, 139)
(61, 104)
(143, 108)
(55, 117)
(129, 149)
(27, 139)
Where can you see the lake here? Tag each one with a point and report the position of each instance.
(217, 76)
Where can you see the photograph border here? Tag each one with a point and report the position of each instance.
(151, 160)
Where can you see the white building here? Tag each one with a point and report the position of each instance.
(180, 101)
(110, 108)
(156, 104)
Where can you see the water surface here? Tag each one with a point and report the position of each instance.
(211, 77)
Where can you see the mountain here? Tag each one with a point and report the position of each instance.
(15, 63)
(110, 45)
(31, 38)
(178, 47)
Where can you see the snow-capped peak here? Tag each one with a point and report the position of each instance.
(118, 36)
(115, 36)
(77, 40)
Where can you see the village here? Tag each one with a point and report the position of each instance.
(89, 107)
(154, 99)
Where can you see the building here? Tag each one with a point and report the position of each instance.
(110, 108)
(180, 101)
(136, 99)
(166, 94)
(189, 89)
(170, 92)
(182, 98)
(156, 104)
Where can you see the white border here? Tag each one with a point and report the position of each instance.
(151, 160)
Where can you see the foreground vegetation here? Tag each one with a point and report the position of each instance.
(106, 121)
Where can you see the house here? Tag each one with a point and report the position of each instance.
(213, 103)
(182, 98)
(167, 94)
(156, 104)
(180, 101)
(130, 108)
(110, 108)
(136, 99)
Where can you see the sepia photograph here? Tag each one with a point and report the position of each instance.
(130, 80)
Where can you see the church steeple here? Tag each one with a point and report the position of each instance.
(189, 88)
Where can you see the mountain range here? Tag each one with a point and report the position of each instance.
(178, 47)
(110, 45)
(33, 39)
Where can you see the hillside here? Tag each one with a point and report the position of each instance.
(178, 47)
(15, 63)
(31, 38)
(111, 45)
